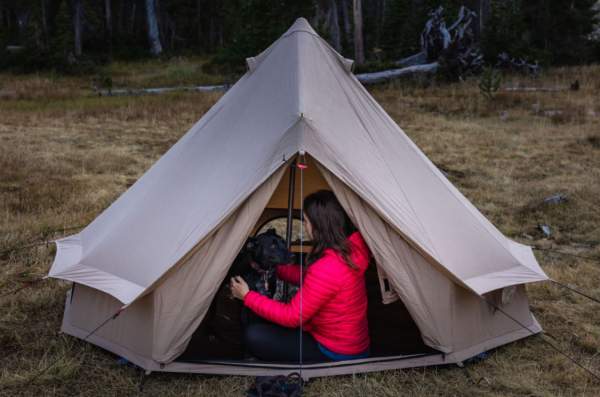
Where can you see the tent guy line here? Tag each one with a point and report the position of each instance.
(53, 363)
(38, 242)
(26, 284)
(546, 341)
(575, 290)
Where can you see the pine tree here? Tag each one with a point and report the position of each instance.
(551, 31)
(254, 24)
(61, 42)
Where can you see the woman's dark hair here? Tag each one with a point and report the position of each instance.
(330, 226)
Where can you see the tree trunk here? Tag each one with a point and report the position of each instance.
(44, 18)
(380, 22)
(162, 21)
(109, 27)
(133, 15)
(221, 36)
(347, 25)
(359, 48)
(484, 13)
(334, 26)
(22, 22)
(153, 35)
(198, 24)
(120, 16)
(211, 34)
(173, 25)
(77, 25)
(319, 14)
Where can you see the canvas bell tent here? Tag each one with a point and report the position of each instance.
(158, 254)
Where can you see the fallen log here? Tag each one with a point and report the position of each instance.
(420, 58)
(391, 74)
(161, 90)
(365, 78)
(536, 89)
(13, 49)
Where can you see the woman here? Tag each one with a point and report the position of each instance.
(334, 297)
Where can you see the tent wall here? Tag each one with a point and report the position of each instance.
(88, 308)
(165, 245)
(182, 300)
(156, 328)
(309, 371)
(450, 317)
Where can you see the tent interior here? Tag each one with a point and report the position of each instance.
(392, 330)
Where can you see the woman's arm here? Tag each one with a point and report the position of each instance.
(318, 288)
(289, 273)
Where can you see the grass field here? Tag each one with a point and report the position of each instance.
(66, 154)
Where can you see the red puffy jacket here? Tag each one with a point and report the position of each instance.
(334, 300)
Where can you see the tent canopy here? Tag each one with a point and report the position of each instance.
(298, 95)
(164, 247)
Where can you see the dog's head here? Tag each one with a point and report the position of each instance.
(268, 249)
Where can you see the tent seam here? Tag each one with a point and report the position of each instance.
(365, 129)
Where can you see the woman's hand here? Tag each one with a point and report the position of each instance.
(239, 288)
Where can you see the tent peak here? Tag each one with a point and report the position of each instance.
(301, 25)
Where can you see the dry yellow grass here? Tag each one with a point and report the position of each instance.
(66, 155)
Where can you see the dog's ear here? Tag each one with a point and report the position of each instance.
(272, 231)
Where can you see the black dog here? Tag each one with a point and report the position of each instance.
(221, 330)
(265, 251)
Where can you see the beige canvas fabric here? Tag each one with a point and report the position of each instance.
(449, 317)
(165, 244)
(159, 325)
(298, 95)
(73, 327)
(182, 300)
(353, 137)
(88, 308)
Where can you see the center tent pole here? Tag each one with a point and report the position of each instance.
(290, 219)
(290, 208)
